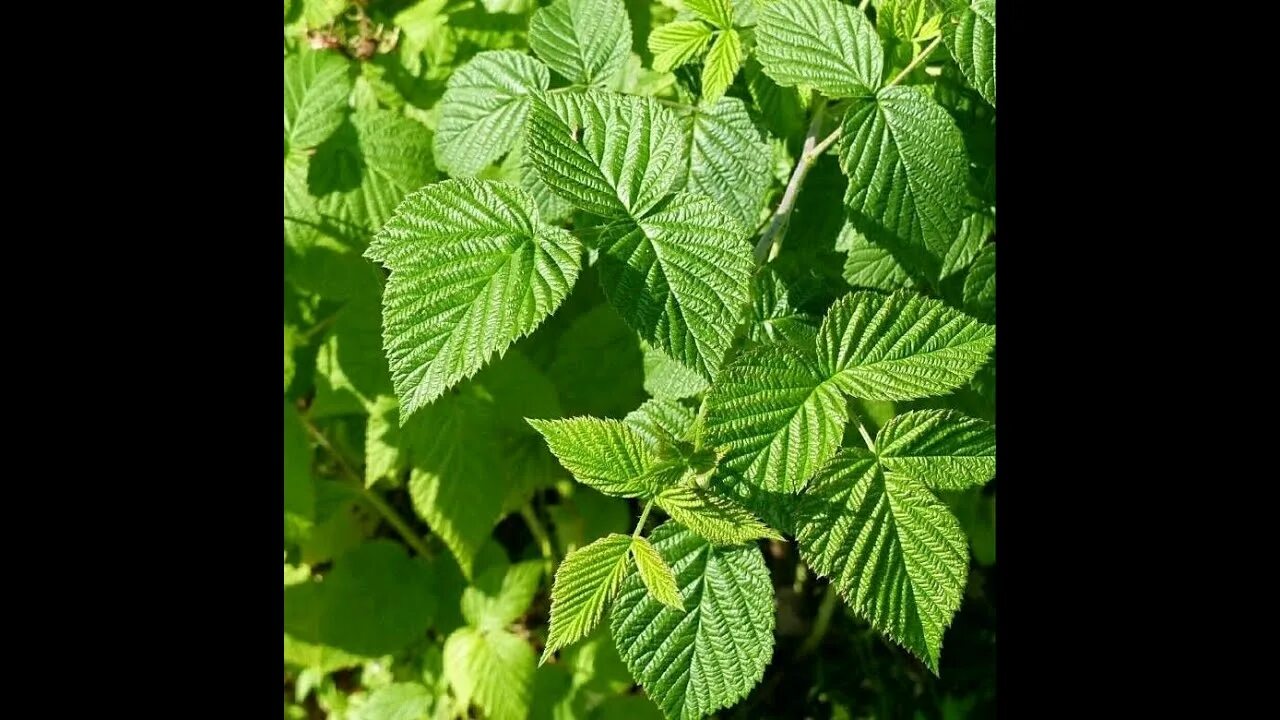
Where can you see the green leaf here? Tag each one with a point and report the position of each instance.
(721, 65)
(299, 487)
(713, 516)
(675, 44)
(351, 371)
(365, 168)
(906, 165)
(612, 155)
(661, 421)
(895, 552)
(667, 379)
(980, 285)
(316, 86)
(822, 44)
(376, 600)
(775, 417)
(483, 111)
(473, 269)
(716, 12)
(680, 277)
(586, 41)
(783, 109)
(969, 32)
(493, 669)
(900, 346)
(974, 231)
(397, 701)
(586, 581)
(728, 160)
(382, 441)
(608, 455)
(598, 365)
(777, 318)
(695, 661)
(657, 576)
(941, 448)
(501, 594)
(870, 265)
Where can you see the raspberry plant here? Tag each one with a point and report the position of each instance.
(503, 231)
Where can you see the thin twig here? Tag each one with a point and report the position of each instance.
(914, 62)
(771, 238)
(644, 515)
(540, 535)
(819, 631)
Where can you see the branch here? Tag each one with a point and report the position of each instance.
(915, 61)
(771, 238)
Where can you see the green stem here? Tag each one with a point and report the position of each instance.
(866, 437)
(862, 6)
(915, 61)
(644, 515)
(771, 238)
(540, 535)
(388, 513)
(825, 611)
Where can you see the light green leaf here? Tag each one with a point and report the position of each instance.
(608, 455)
(316, 86)
(676, 43)
(969, 32)
(612, 155)
(974, 231)
(716, 12)
(658, 577)
(941, 448)
(728, 160)
(586, 41)
(906, 164)
(501, 594)
(680, 277)
(661, 421)
(667, 379)
(822, 44)
(351, 371)
(980, 285)
(493, 669)
(397, 701)
(473, 269)
(900, 346)
(382, 441)
(782, 108)
(712, 516)
(870, 265)
(693, 662)
(895, 552)
(365, 168)
(775, 417)
(586, 581)
(721, 65)
(483, 111)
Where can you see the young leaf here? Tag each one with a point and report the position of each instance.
(675, 44)
(712, 516)
(721, 65)
(612, 155)
(473, 269)
(501, 594)
(661, 421)
(316, 86)
(969, 32)
(484, 108)
(586, 41)
(895, 551)
(941, 448)
(608, 455)
(728, 160)
(900, 346)
(708, 656)
(658, 577)
(665, 378)
(823, 44)
(494, 669)
(585, 582)
(716, 12)
(906, 165)
(775, 417)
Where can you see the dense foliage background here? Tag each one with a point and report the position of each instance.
(379, 513)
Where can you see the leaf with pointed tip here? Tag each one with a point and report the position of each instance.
(721, 65)
(484, 108)
(586, 41)
(661, 421)
(969, 32)
(716, 12)
(316, 86)
(775, 417)
(906, 164)
(708, 656)
(491, 668)
(668, 379)
(895, 552)
(473, 269)
(608, 455)
(941, 448)
(869, 265)
(900, 347)
(823, 44)
(728, 160)
(675, 44)
(585, 582)
(980, 285)
(712, 516)
(974, 231)
(658, 577)
(501, 594)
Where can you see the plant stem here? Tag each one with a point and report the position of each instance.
(862, 6)
(866, 437)
(540, 535)
(388, 513)
(915, 61)
(825, 611)
(644, 515)
(771, 238)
